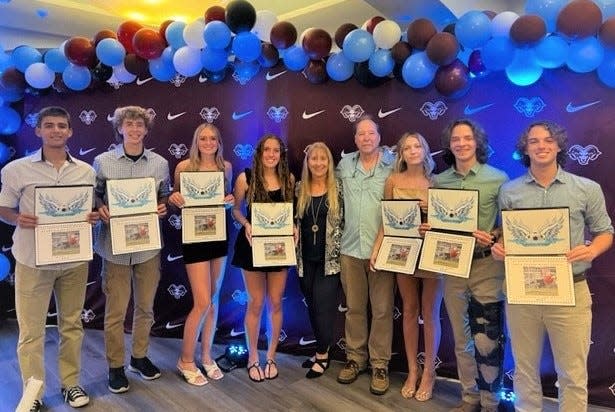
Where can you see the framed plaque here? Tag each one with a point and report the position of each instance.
(132, 196)
(453, 209)
(539, 280)
(536, 231)
(61, 204)
(272, 219)
(398, 254)
(135, 233)
(203, 224)
(447, 253)
(63, 243)
(202, 188)
(273, 251)
(401, 218)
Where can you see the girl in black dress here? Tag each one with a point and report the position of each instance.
(269, 181)
(205, 262)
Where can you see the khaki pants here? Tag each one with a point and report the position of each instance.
(33, 289)
(376, 289)
(569, 331)
(116, 284)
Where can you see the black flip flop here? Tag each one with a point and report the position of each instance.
(257, 366)
(270, 362)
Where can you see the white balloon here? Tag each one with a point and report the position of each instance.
(39, 75)
(265, 20)
(122, 75)
(501, 23)
(187, 61)
(193, 34)
(386, 34)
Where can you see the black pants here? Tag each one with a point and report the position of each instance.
(320, 293)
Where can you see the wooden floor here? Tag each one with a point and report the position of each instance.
(290, 392)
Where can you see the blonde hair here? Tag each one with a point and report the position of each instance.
(304, 197)
(400, 163)
(194, 159)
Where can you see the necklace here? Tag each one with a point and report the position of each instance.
(315, 227)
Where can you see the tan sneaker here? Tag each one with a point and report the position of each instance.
(380, 381)
(466, 407)
(349, 373)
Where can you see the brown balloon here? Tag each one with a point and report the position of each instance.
(148, 44)
(371, 23)
(316, 72)
(528, 29)
(579, 19)
(420, 31)
(80, 51)
(283, 35)
(606, 34)
(215, 13)
(104, 34)
(317, 43)
(126, 32)
(136, 65)
(342, 32)
(13, 79)
(453, 80)
(400, 52)
(490, 13)
(442, 49)
(163, 30)
(269, 55)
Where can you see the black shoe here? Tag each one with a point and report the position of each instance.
(37, 406)
(324, 365)
(118, 383)
(75, 396)
(144, 367)
(307, 364)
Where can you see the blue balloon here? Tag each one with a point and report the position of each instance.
(473, 29)
(11, 95)
(358, 45)
(10, 120)
(295, 58)
(214, 60)
(498, 53)
(381, 63)
(5, 61)
(110, 52)
(524, 70)
(246, 46)
(418, 70)
(24, 56)
(585, 55)
(217, 35)
(606, 70)
(175, 34)
(5, 155)
(547, 9)
(551, 52)
(162, 68)
(339, 68)
(55, 60)
(76, 77)
(5, 266)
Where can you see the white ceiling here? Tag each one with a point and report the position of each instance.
(47, 23)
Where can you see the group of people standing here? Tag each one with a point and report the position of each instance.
(338, 233)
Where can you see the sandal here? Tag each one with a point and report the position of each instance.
(313, 373)
(256, 366)
(213, 371)
(307, 364)
(193, 377)
(425, 394)
(408, 390)
(271, 364)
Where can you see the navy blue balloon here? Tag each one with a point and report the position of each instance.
(246, 46)
(5, 267)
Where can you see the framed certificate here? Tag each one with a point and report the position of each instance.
(61, 204)
(447, 253)
(273, 251)
(536, 231)
(401, 218)
(202, 188)
(272, 219)
(135, 233)
(63, 243)
(539, 280)
(453, 209)
(132, 196)
(203, 224)
(398, 254)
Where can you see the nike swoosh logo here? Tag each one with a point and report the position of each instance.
(140, 82)
(109, 117)
(202, 79)
(382, 114)
(237, 116)
(304, 342)
(174, 116)
(51, 315)
(6, 248)
(173, 258)
(341, 308)
(233, 333)
(90, 283)
(270, 77)
(472, 110)
(171, 326)
(572, 108)
(309, 116)
(437, 152)
(84, 152)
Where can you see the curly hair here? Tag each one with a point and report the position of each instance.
(257, 192)
(304, 197)
(130, 112)
(428, 163)
(556, 131)
(482, 143)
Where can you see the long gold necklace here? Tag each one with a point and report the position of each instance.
(315, 227)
